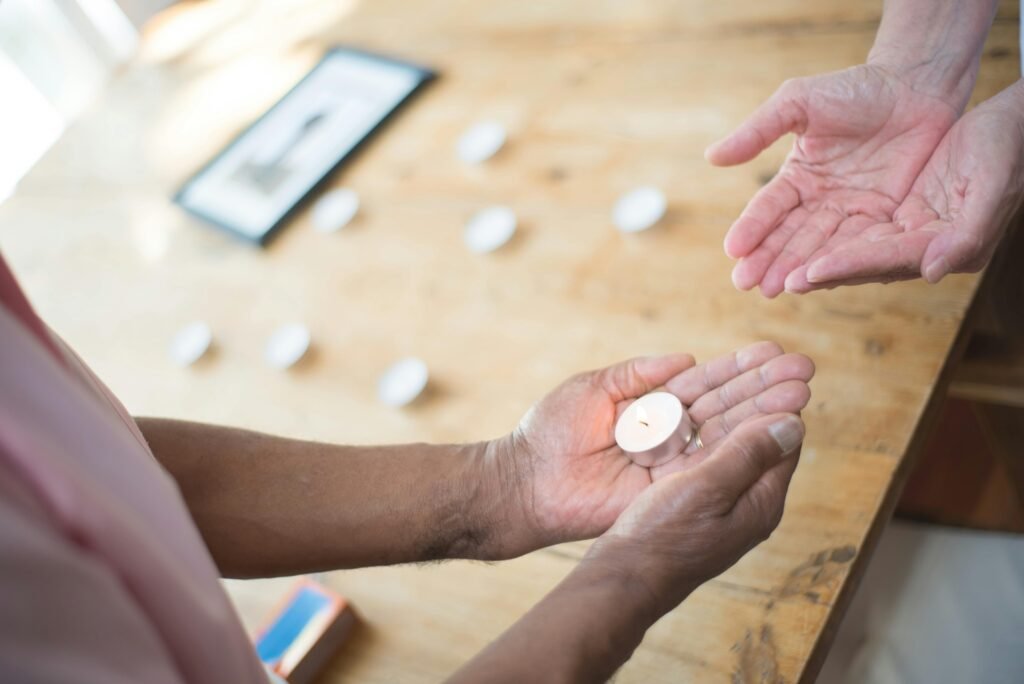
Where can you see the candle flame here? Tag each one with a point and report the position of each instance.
(641, 416)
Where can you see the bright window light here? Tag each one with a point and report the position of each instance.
(29, 125)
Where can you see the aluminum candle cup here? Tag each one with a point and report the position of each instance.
(654, 429)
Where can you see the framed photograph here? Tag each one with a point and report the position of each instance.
(257, 182)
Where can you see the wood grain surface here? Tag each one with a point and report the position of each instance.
(598, 97)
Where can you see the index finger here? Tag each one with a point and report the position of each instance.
(695, 382)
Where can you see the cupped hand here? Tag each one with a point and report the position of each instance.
(862, 137)
(953, 217)
(573, 481)
(692, 525)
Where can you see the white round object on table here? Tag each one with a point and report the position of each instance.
(481, 142)
(287, 345)
(654, 429)
(191, 343)
(335, 210)
(490, 229)
(403, 382)
(639, 209)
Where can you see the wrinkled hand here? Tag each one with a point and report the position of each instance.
(692, 525)
(574, 481)
(863, 136)
(955, 214)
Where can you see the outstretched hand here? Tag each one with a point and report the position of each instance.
(691, 526)
(863, 136)
(953, 217)
(572, 478)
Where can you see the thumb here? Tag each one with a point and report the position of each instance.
(953, 252)
(639, 376)
(782, 113)
(748, 453)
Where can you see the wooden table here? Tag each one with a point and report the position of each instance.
(599, 97)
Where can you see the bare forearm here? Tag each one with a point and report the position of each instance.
(272, 506)
(936, 43)
(583, 631)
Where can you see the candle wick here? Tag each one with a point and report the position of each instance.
(641, 416)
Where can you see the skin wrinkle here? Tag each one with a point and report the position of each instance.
(519, 455)
(707, 379)
(724, 423)
(723, 394)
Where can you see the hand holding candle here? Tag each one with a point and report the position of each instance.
(584, 452)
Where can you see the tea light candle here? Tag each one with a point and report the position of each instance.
(490, 229)
(287, 345)
(191, 343)
(481, 142)
(654, 429)
(403, 382)
(639, 209)
(335, 210)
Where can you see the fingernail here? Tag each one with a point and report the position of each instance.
(710, 150)
(937, 270)
(744, 359)
(788, 433)
(811, 275)
(736, 281)
(792, 284)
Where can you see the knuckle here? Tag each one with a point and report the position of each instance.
(714, 501)
(768, 508)
(771, 522)
(788, 86)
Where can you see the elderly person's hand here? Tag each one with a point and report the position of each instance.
(857, 171)
(562, 463)
(955, 214)
(863, 136)
(680, 531)
(694, 524)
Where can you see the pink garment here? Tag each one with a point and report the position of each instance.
(103, 575)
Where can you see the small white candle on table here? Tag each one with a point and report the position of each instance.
(654, 429)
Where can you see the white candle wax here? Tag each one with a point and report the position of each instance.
(287, 345)
(490, 229)
(191, 343)
(403, 382)
(654, 429)
(335, 210)
(481, 142)
(639, 209)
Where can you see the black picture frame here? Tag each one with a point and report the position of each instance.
(425, 76)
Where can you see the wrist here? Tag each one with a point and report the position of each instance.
(620, 601)
(620, 561)
(947, 77)
(498, 470)
(934, 46)
(583, 630)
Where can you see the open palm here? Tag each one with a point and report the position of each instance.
(954, 215)
(575, 480)
(863, 136)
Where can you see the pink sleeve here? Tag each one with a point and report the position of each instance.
(66, 617)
